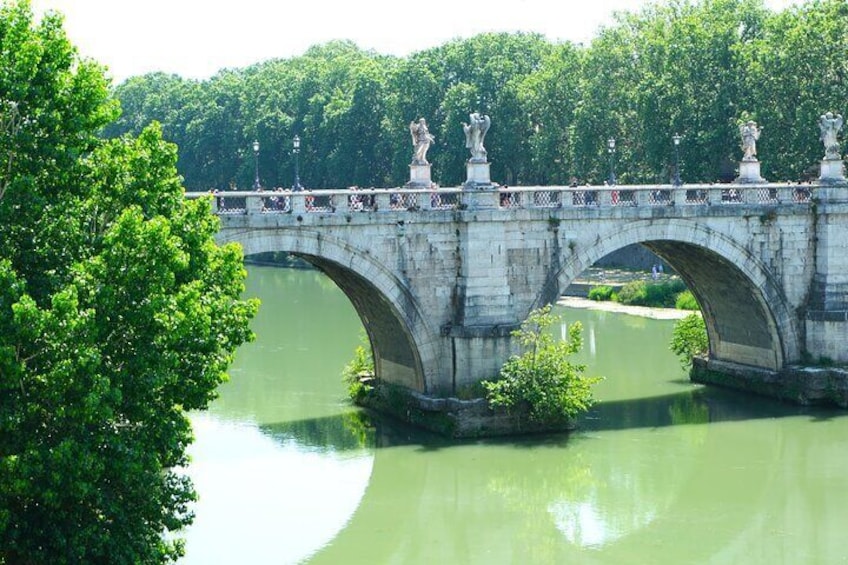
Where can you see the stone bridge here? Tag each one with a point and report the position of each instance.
(440, 277)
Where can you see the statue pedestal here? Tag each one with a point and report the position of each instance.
(483, 196)
(419, 176)
(478, 175)
(749, 172)
(832, 170)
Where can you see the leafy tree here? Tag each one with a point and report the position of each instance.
(117, 314)
(674, 67)
(692, 67)
(551, 96)
(798, 71)
(543, 381)
(689, 339)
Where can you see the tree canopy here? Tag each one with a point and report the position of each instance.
(118, 312)
(695, 68)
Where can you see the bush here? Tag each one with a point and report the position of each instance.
(542, 380)
(686, 301)
(359, 373)
(601, 293)
(689, 339)
(634, 293)
(655, 295)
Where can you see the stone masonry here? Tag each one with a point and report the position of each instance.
(440, 290)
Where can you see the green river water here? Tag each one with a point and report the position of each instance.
(660, 471)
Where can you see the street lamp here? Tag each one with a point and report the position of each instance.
(296, 150)
(611, 150)
(676, 139)
(256, 184)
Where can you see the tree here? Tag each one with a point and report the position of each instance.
(692, 67)
(551, 95)
(118, 313)
(798, 71)
(689, 339)
(543, 381)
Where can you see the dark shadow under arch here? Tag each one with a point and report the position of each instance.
(395, 356)
(747, 315)
(405, 347)
(739, 324)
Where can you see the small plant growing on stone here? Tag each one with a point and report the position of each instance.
(543, 382)
(689, 339)
(358, 374)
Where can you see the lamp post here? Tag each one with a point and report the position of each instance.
(256, 184)
(676, 139)
(296, 150)
(611, 150)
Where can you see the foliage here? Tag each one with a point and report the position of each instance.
(357, 373)
(689, 339)
(601, 293)
(542, 380)
(118, 312)
(796, 72)
(688, 67)
(686, 301)
(655, 295)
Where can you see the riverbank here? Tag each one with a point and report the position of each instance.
(609, 306)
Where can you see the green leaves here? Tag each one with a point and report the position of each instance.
(691, 68)
(689, 339)
(118, 312)
(543, 382)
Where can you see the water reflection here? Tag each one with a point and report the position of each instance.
(267, 498)
(661, 471)
(352, 430)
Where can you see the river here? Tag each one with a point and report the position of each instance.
(660, 470)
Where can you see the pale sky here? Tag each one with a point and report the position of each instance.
(196, 38)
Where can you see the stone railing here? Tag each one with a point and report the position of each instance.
(404, 199)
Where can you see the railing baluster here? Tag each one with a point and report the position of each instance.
(425, 200)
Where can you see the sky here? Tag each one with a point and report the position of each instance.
(196, 38)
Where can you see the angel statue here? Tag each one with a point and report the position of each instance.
(421, 140)
(475, 131)
(830, 126)
(750, 134)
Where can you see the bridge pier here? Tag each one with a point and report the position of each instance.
(800, 385)
(827, 309)
(477, 351)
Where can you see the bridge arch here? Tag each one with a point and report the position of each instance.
(403, 344)
(748, 317)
